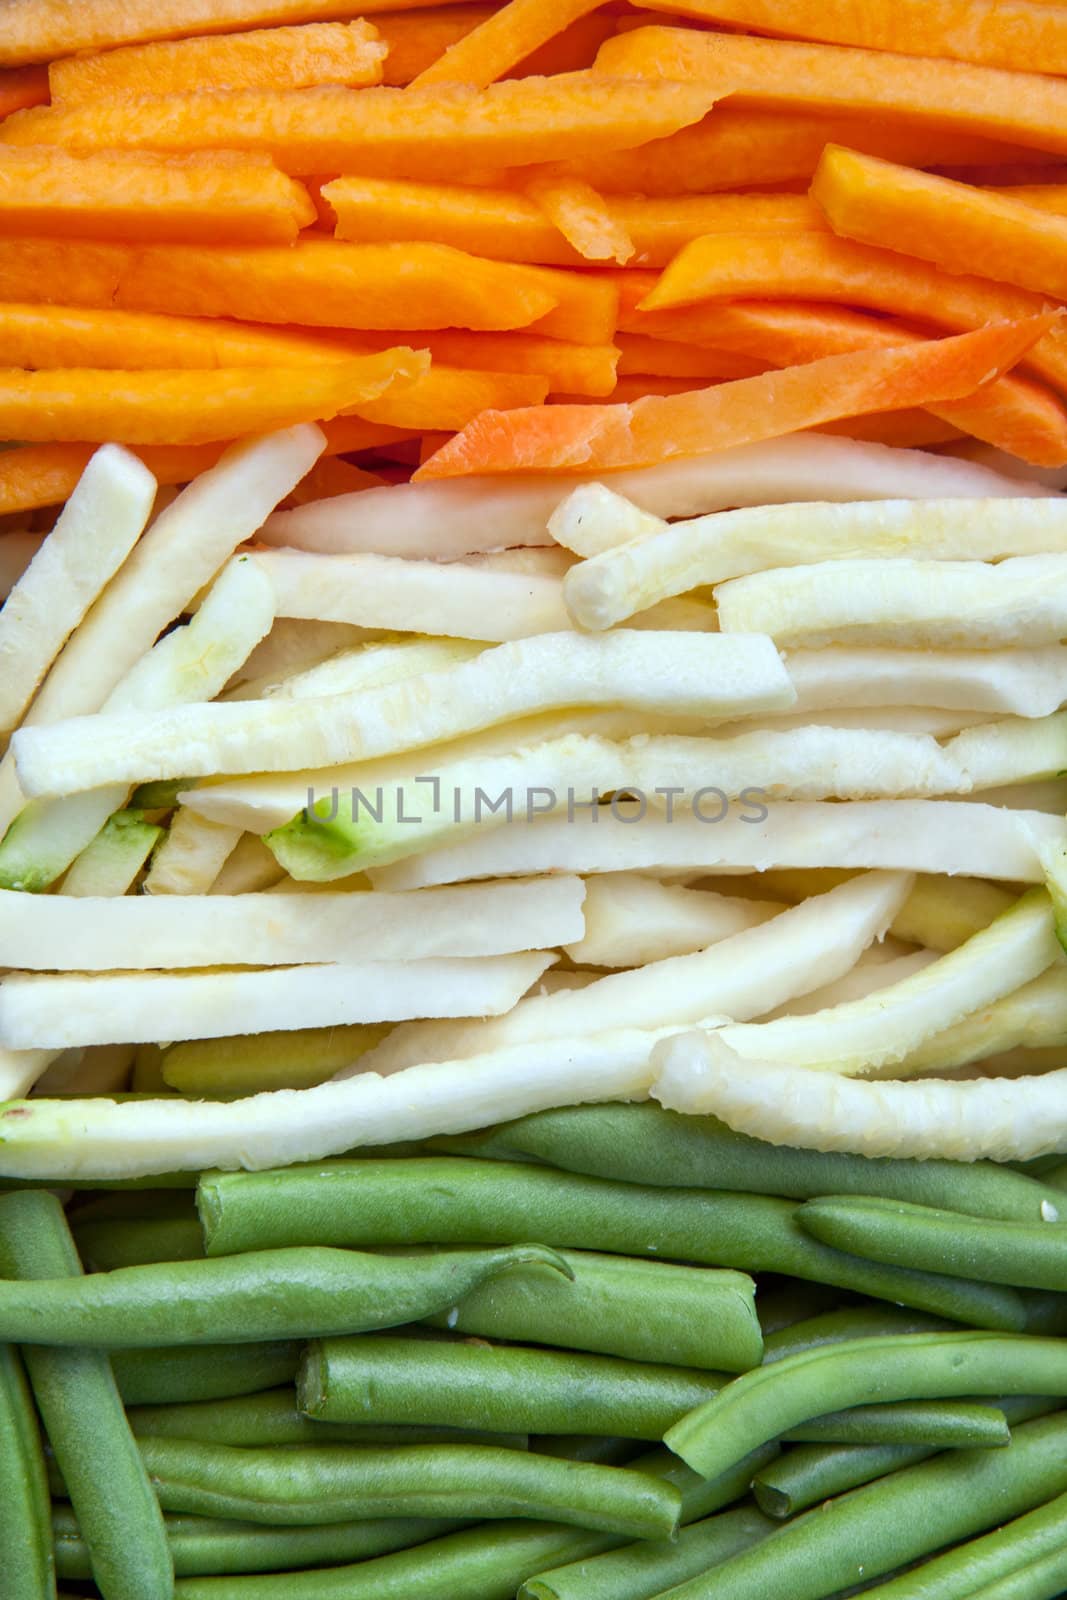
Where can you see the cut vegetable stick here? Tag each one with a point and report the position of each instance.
(572, 438)
(1023, 683)
(367, 666)
(581, 215)
(1050, 196)
(21, 1069)
(415, 39)
(254, 1063)
(503, 40)
(1026, 108)
(328, 479)
(112, 197)
(138, 1008)
(22, 87)
(96, 531)
(951, 224)
(190, 406)
(111, 863)
(585, 369)
(1034, 1017)
(709, 550)
(510, 225)
(306, 57)
(251, 869)
(668, 358)
(573, 50)
(413, 132)
(631, 920)
(898, 835)
(447, 398)
(911, 429)
(187, 861)
(707, 675)
(1019, 35)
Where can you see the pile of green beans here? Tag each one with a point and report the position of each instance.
(606, 1353)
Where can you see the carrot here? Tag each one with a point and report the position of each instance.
(664, 358)
(587, 305)
(1016, 34)
(268, 58)
(503, 40)
(951, 224)
(605, 438)
(506, 224)
(588, 224)
(1050, 197)
(40, 30)
(22, 87)
(315, 282)
(573, 50)
(1037, 169)
(580, 369)
(447, 398)
(413, 132)
(1024, 107)
(102, 197)
(330, 477)
(415, 39)
(904, 430)
(189, 406)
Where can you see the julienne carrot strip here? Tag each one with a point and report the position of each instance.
(306, 57)
(503, 40)
(412, 132)
(910, 429)
(665, 358)
(586, 222)
(951, 224)
(97, 196)
(573, 50)
(22, 87)
(1017, 34)
(1051, 197)
(1014, 174)
(585, 369)
(605, 438)
(769, 73)
(415, 40)
(447, 398)
(327, 479)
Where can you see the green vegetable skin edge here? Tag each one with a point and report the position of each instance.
(645, 1144)
(1031, 1255)
(24, 1502)
(270, 1295)
(1042, 1580)
(173, 1374)
(79, 1403)
(103, 1246)
(450, 1199)
(886, 1525)
(762, 1404)
(335, 1483)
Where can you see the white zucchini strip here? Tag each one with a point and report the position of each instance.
(440, 520)
(540, 561)
(44, 933)
(630, 919)
(870, 1035)
(372, 666)
(111, 864)
(1032, 1018)
(1023, 683)
(594, 519)
(940, 604)
(673, 673)
(17, 550)
(733, 544)
(102, 1139)
(96, 530)
(290, 647)
(190, 856)
(1049, 796)
(987, 1119)
(21, 1069)
(417, 596)
(250, 869)
(105, 1069)
(954, 836)
(942, 913)
(743, 976)
(867, 977)
(925, 721)
(46, 1012)
(1018, 750)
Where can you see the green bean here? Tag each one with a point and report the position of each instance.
(884, 1526)
(174, 1373)
(275, 1294)
(848, 1322)
(24, 1509)
(645, 1144)
(1056, 1177)
(1040, 1580)
(603, 1449)
(771, 1400)
(1032, 1255)
(791, 1302)
(446, 1199)
(201, 1547)
(79, 1404)
(132, 1205)
(304, 1485)
(273, 1418)
(645, 1310)
(640, 1571)
(103, 1246)
(943, 1424)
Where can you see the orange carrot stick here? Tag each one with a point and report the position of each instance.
(306, 57)
(951, 224)
(446, 398)
(330, 477)
(606, 438)
(1016, 34)
(505, 224)
(41, 30)
(22, 87)
(189, 199)
(415, 39)
(587, 305)
(904, 430)
(414, 132)
(503, 40)
(315, 282)
(573, 50)
(589, 225)
(1051, 197)
(1024, 107)
(665, 358)
(585, 369)
(189, 406)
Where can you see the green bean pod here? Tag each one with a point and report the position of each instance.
(201, 1547)
(448, 1199)
(1040, 1580)
(273, 1418)
(643, 1310)
(772, 1400)
(305, 1485)
(79, 1403)
(605, 1450)
(1030, 1255)
(811, 1474)
(24, 1508)
(641, 1571)
(172, 1374)
(848, 1322)
(276, 1294)
(943, 1424)
(136, 1242)
(646, 1144)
